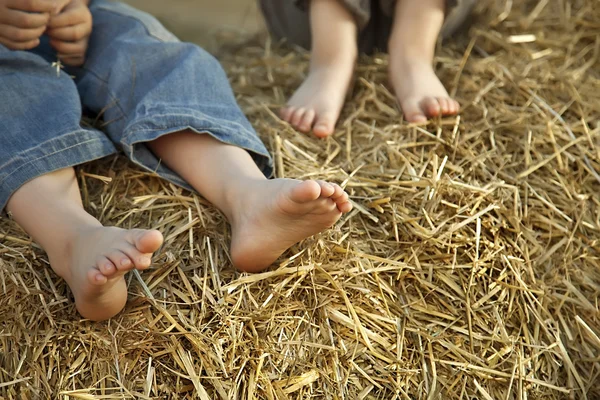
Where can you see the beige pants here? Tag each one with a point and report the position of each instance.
(289, 19)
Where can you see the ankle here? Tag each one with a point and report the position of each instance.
(407, 58)
(401, 50)
(340, 58)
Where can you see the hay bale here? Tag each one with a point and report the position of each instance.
(469, 267)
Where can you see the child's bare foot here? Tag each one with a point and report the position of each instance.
(419, 90)
(317, 103)
(94, 262)
(275, 214)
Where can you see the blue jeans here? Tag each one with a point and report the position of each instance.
(139, 78)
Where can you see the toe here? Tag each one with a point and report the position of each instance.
(344, 207)
(454, 106)
(307, 121)
(95, 277)
(340, 197)
(444, 103)
(297, 117)
(146, 241)
(120, 260)
(106, 267)
(325, 124)
(412, 111)
(139, 246)
(327, 189)
(338, 193)
(139, 260)
(431, 106)
(142, 262)
(286, 113)
(305, 191)
(343, 198)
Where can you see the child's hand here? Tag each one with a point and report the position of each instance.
(22, 22)
(70, 31)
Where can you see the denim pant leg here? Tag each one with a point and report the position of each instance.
(40, 129)
(290, 19)
(146, 84)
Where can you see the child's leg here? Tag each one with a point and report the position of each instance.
(41, 138)
(417, 24)
(176, 114)
(266, 216)
(317, 103)
(90, 257)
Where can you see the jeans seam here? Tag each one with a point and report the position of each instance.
(130, 132)
(51, 154)
(207, 117)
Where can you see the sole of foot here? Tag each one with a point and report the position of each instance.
(95, 261)
(278, 214)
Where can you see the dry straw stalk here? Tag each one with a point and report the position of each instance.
(469, 267)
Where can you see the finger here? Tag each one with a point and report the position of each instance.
(36, 6)
(69, 48)
(19, 45)
(70, 33)
(25, 20)
(75, 16)
(61, 5)
(73, 61)
(20, 35)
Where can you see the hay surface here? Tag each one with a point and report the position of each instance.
(468, 269)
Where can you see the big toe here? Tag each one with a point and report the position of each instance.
(412, 111)
(305, 192)
(325, 124)
(147, 241)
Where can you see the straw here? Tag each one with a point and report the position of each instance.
(469, 268)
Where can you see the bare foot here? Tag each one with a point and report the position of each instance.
(419, 90)
(317, 103)
(94, 263)
(279, 213)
